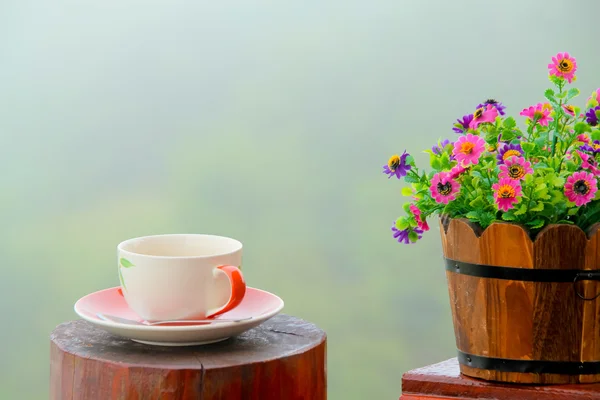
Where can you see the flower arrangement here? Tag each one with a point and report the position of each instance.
(546, 173)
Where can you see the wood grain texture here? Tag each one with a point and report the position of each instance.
(445, 381)
(524, 320)
(283, 358)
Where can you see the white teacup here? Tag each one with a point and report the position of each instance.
(181, 276)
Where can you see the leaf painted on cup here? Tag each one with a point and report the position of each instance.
(125, 263)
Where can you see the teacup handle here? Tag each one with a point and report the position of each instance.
(238, 288)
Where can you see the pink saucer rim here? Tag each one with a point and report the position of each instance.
(187, 328)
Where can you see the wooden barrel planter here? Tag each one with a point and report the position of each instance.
(524, 311)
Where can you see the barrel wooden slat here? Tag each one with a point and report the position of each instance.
(590, 342)
(522, 320)
(283, 358)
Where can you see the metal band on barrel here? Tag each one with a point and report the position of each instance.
(530, 366)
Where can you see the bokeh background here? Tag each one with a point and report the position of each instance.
(268, 121)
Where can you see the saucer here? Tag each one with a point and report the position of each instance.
(258, 304)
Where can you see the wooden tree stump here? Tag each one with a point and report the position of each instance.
(283, 358)
(443, 381)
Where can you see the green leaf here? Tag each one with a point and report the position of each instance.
(536, 223)
(549, 94)
(557, 181)
(410, 179)
(486, 219)
(475, 181)
(561, 95)
(125, 263)
(582, 127)
(573, 211)
(477, 203)
(564, 221)
(538, 207)
(413, 237)
(508, 136)
(410, 160)
(406, 191)
(596, 135)
(435, 162)
(528, 147)
(522, 210)
(401, 224)
(572, 93)
(509, 216)
(509, 123)
(472, 215)
(445, 161)
(406, 207)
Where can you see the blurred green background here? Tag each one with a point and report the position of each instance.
(267, 121)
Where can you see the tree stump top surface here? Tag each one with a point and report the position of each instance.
(443, 381)
(279, 337)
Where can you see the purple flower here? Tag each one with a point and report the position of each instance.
(397, 166)
(594, 147)
(464, 123)
(507, 150)
(498, 105)
(591, 116)
(438, 149)
(402, 235)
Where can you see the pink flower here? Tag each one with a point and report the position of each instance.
(569, 109)
(583, 138)
(456, 171)
(563, 65)
(588, 162)
(467, 149)
(515, 168)
(482, 115)
(539, 112)
(581, 188)
(507, 192)
(421, 222)
(443, 188)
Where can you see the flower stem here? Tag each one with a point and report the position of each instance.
(529, 199)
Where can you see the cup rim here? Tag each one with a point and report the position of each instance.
(236, 243)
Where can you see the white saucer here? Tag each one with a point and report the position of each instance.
(258, 304)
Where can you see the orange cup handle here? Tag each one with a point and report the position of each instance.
(238, 288)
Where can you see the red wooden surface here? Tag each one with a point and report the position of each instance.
(283, 358)
(443, 381)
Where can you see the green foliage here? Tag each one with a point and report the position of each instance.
(549, 156)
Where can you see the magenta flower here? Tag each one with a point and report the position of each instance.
(564, 66)
(397, 166)
(481, 115)
(539, 113)
(583, 138)
(581, 188)
(499, 106)
(588, 162)
(515, 168)
(456, 171)
(443, 188)
(569, 109)
(421, 222)
(507, 192)
(508, 150)
(468, 149)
